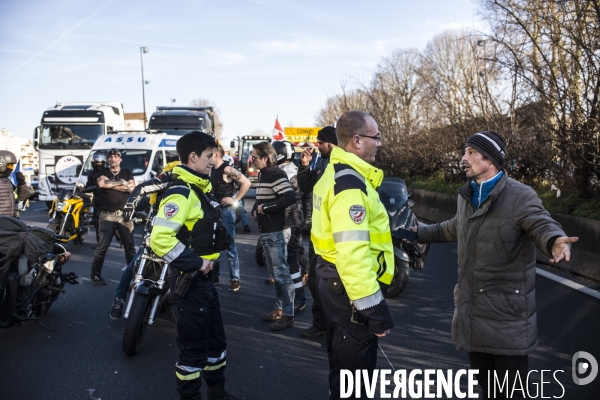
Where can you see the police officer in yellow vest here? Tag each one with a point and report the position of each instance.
(186, 234)
(351, 234)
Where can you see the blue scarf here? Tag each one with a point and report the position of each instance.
(481, 192)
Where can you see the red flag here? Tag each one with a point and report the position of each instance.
(277, 131)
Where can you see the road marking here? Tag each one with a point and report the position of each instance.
(568, 282)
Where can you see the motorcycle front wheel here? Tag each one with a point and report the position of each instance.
(401, 274)
(45, 298)
(53, 226)
(137, 322)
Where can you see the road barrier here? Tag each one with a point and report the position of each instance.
(585, 256)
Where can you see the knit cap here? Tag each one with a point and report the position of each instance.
(491, 145)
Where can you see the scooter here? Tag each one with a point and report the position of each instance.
(395, 197)
(70, 214)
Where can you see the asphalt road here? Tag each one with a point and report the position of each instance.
(82, 357)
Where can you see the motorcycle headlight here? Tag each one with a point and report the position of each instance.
(250, 169)
(49, 266)
(60, 206)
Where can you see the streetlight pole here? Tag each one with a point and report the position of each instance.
(142, 51)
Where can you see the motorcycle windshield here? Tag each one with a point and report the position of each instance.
(393, 193)
(65, 194)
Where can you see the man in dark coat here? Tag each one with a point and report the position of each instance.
(308, 176)
(498, 225)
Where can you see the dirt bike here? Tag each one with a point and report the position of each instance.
(395, 197)
(70, 214)
(28, 289)
(149, 293)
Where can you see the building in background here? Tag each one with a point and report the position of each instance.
(23, 149)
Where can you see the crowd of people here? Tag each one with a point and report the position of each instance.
(498, 226)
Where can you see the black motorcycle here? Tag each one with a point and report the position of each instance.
(149, 294)
(395, 197)
(29, 288)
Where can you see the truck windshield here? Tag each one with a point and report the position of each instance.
(175, 131)
(69, 136)
(135, 160)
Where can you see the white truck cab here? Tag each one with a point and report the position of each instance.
(144, 154)
(64, 138)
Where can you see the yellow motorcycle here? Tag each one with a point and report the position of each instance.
(70, 214)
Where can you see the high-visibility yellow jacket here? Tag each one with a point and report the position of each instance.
(168, 168)
(351, 229)
(180, 207)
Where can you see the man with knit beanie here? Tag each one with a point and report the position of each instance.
(498, 225)
(308, 175)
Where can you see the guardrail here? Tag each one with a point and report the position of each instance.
(585, 257)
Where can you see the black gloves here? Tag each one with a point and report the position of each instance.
(20, 179)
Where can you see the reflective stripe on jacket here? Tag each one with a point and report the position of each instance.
(350, 227)
(180, 207)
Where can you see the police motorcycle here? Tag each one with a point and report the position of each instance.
(31, 276)
(395, 197)
(150, 291)
(70, 214)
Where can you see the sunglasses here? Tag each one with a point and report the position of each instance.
(254, 158)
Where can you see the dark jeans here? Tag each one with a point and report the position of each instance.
(200, 338)
(349, 345)
(317, 309)
(502, 365)
(109, 224)
(275, 250)
(127, 276)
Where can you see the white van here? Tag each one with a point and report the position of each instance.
(145, 155)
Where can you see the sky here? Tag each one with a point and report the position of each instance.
(255, 60)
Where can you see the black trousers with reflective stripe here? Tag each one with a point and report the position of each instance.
(200, 337)
(349, 346)
(294, 250)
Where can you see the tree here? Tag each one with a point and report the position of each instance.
(551, 49)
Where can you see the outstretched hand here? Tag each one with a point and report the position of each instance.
(561, 250)
(415, 230)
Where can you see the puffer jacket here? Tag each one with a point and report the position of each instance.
(7, 197)
(495, 310)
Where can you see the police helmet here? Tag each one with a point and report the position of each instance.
(99, 156)
(284, 150)
(7, 162)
